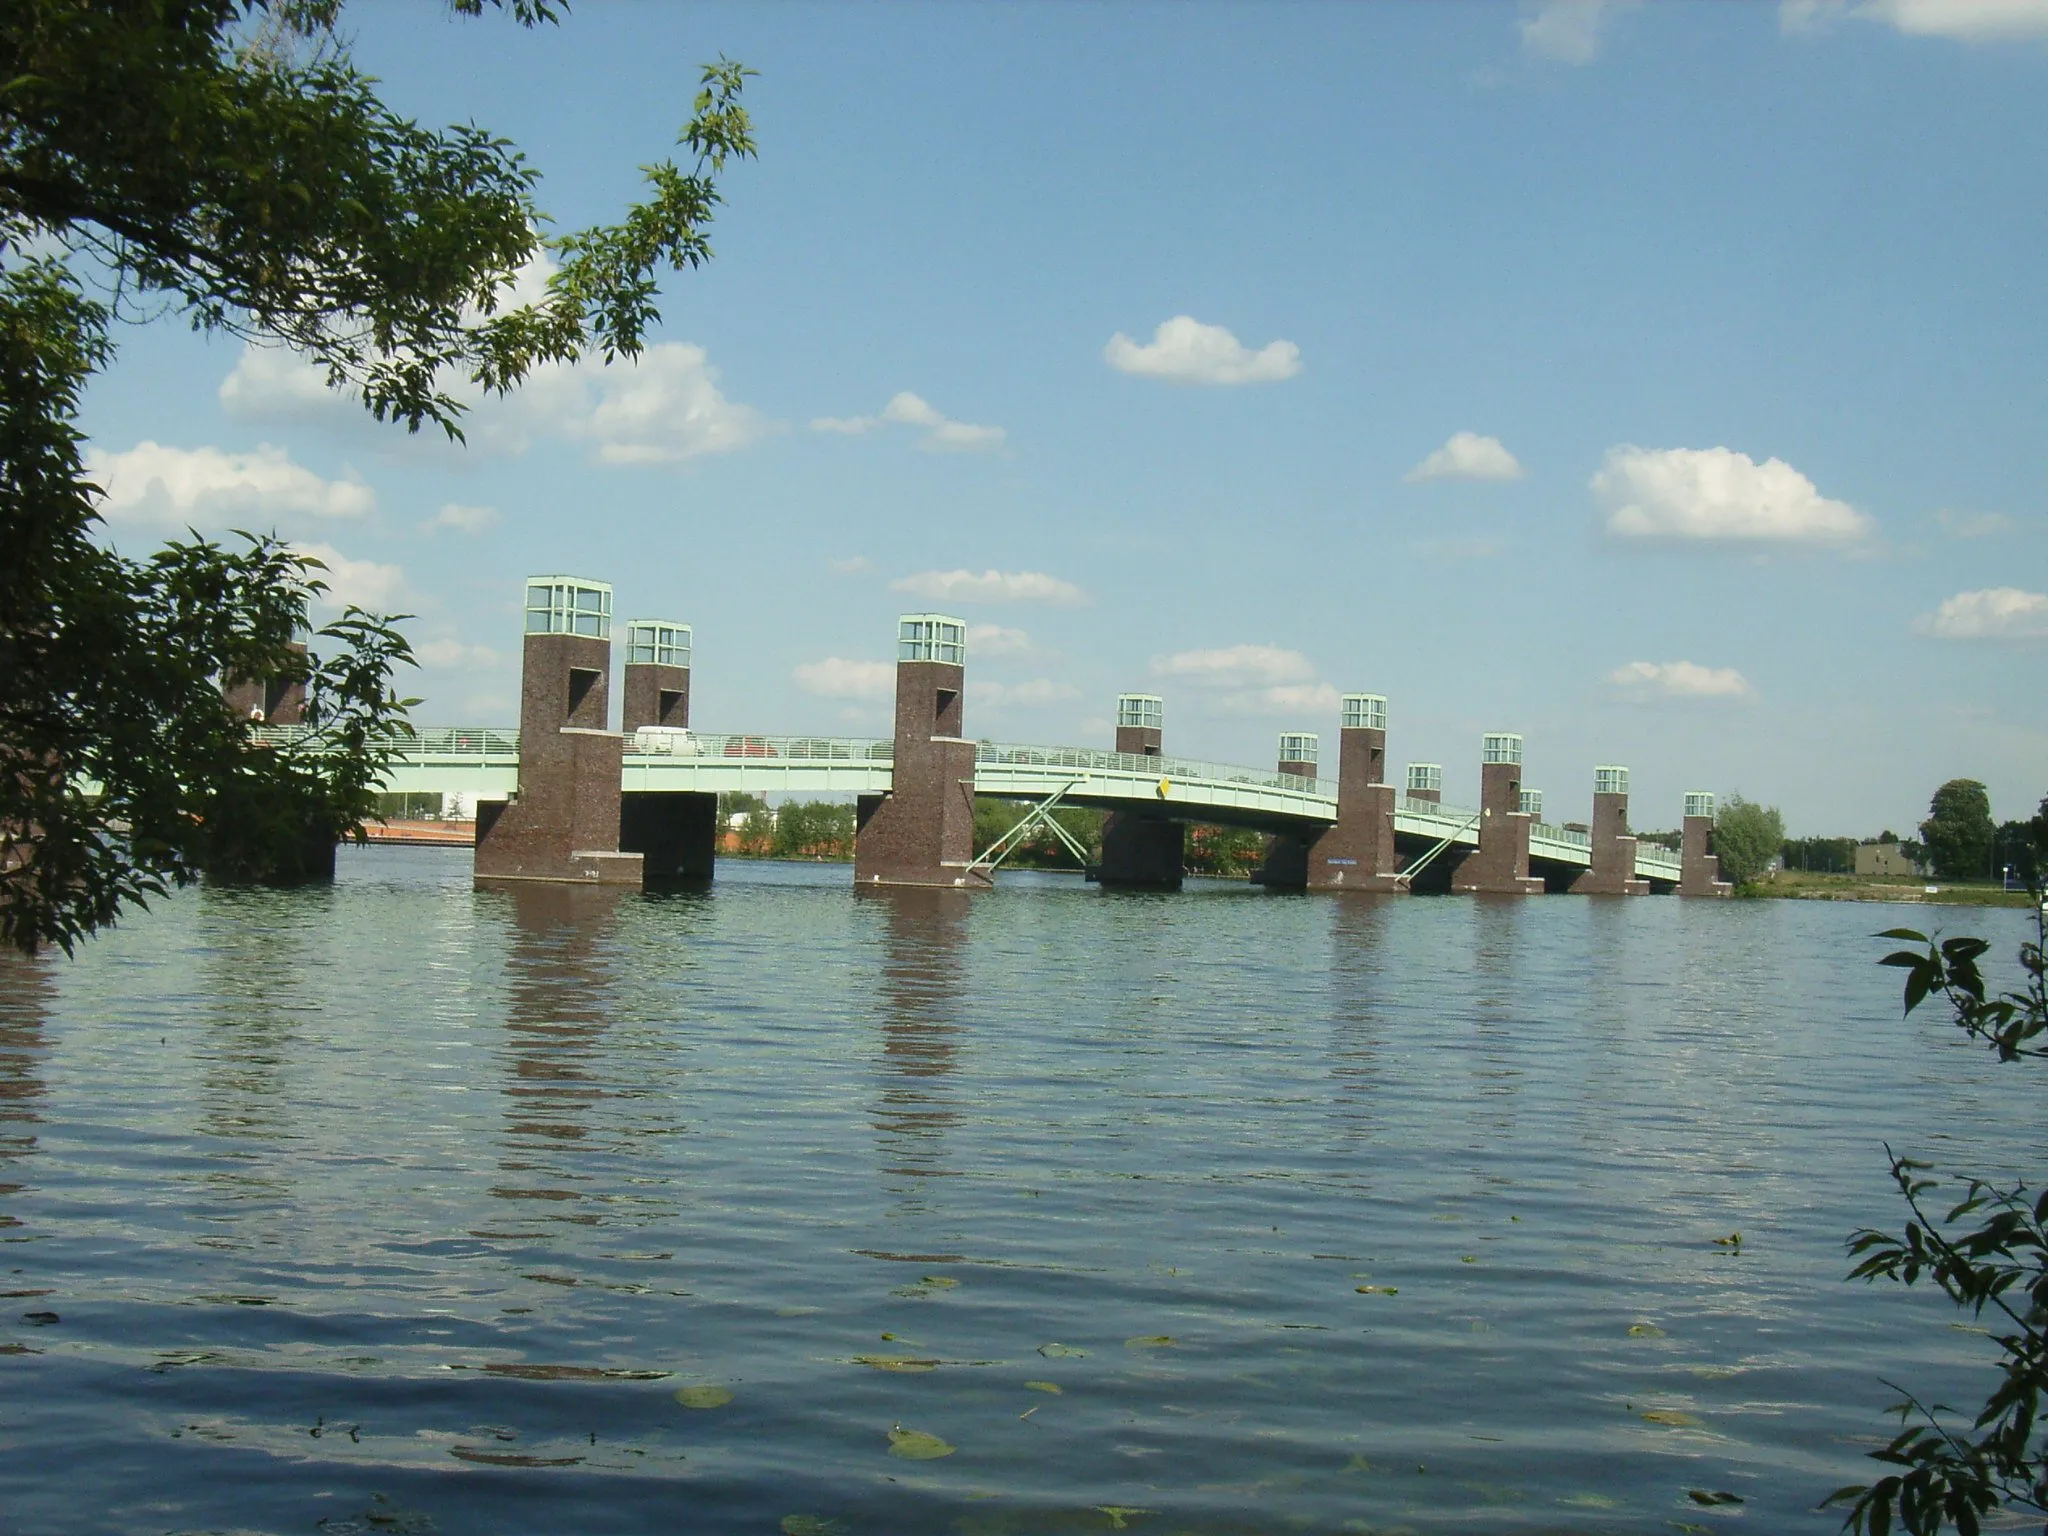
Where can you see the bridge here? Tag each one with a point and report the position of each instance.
(482, 763)
(566, 798)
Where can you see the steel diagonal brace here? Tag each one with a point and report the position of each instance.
(1423, 863)
(1039, 815)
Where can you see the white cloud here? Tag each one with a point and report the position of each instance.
(364, 583)
(1718, 494)
(1185, 351)
(1973, 525)
(852, 566)
(1568, 31)
(1995, 613)
(1646, 680)
(942, 434)
(1298, 699)
(460, 518)
(994, 640)
(452, 653)
(1237, 666)
(1039, 691)
(662, 408)
(1967, 21)
(179, 487)
(990, 587)
(1468, 456)
(837, 678)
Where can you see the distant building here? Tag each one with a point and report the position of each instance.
(1883, 860)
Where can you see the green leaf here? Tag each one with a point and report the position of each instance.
(916, 1445)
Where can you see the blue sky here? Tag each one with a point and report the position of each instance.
(1663, 382)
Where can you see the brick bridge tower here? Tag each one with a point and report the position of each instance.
(563, 823)
(1699, 871)
(675, 834)
(1613, 870)
(922, 831)
(1500, 864)
(270, 700)
(1426, 782)
(1286, 863)
(1141, 849)
(1357, 854)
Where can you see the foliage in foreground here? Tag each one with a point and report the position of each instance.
(224, 159)
(1989, 1254)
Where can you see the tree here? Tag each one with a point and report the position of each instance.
(1958, 831)
(1989, 1254)
(225, 159)
(1821, 855)
(1747, 836)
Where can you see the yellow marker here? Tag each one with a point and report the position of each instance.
(1164, 786)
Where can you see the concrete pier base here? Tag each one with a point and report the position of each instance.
(1141, 852)
(675, 835)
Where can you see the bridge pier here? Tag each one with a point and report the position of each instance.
(1285, 867)
(922, 831)
(675, 835)
(1613, 868)
(1358, 854)
(1141, 850)
(1500, 864)
(563, 822)
(1699, 871)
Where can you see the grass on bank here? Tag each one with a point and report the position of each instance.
(1804, 885)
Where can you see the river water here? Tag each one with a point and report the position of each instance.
(401, 1207)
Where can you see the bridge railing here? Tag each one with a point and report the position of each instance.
(1571, 836)
(465, 741)
(1658, 854)
(745, 745)
(1183, 768)
(1410, 806)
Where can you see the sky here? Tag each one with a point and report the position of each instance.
(1660, 381)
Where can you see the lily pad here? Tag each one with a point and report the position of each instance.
(704, 1395)
(1645, 1331)
(1119, 1515)
(1044, 1386)
(916, 1445)
(1378, 1290)
(1061, 1352)
(907, 1363)
(1674, 1417)
(1152, 1341)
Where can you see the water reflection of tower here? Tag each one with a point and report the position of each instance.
(1358, 985)
(26, 992)
(559, 1000)
(921, 1031)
